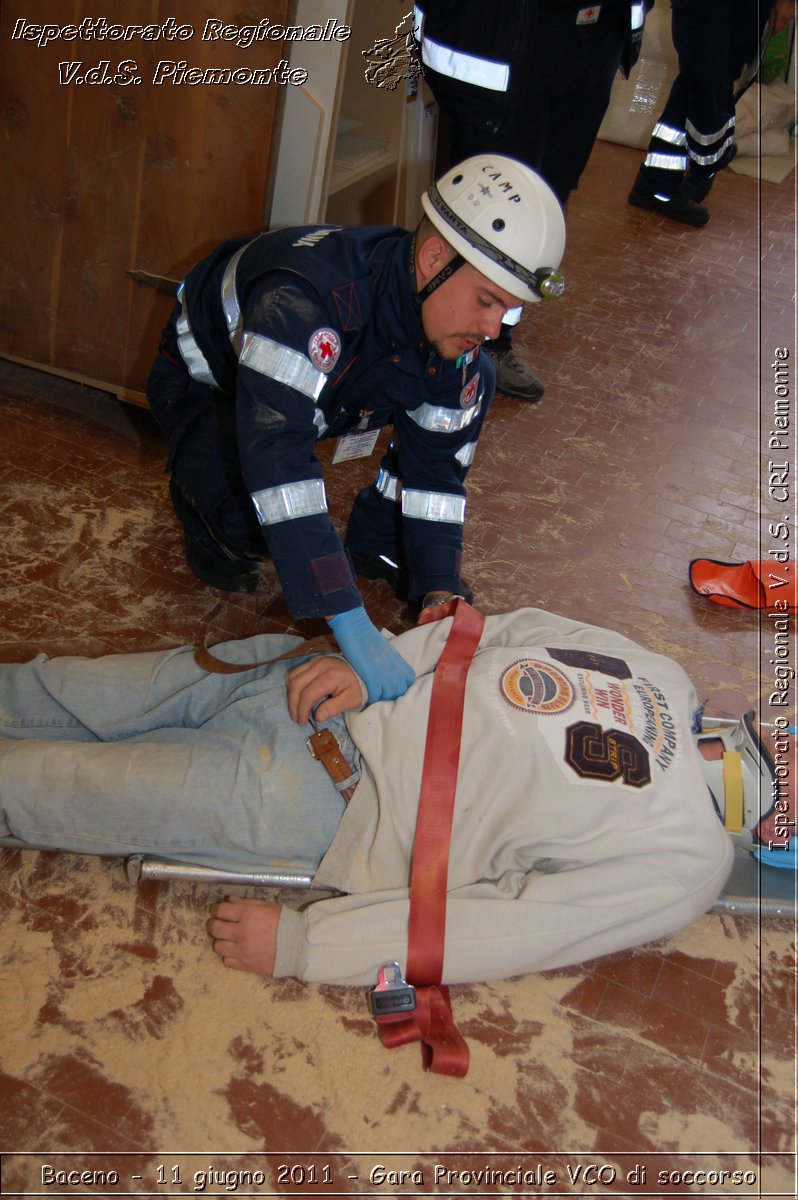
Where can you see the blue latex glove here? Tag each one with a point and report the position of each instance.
(382, 669)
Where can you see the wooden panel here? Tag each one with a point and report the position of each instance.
(101, 179)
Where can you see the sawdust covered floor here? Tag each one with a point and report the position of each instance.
(121, 1032)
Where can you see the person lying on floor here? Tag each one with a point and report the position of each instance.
(583, 822)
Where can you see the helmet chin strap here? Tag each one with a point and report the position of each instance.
(445, 273)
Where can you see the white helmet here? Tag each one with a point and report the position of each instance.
(503, 219)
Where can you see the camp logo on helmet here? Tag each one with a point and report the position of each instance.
(324, 349)
(503, 184)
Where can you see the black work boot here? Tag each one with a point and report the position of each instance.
(219, 571)
(697, 184)
(210, 561)
(381, 567)
(678, 207)
(513, 377)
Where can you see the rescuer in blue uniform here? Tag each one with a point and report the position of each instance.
(324, 332)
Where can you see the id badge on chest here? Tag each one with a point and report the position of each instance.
(359, 443)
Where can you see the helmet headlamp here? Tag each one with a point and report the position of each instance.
(550, 284)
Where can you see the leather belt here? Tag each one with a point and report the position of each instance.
(218, 666)
(323, 745)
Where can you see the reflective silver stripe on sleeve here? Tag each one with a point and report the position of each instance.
(465, 455)
(706, 139)
(289, 501)
(282, 364)
(192, 356)
(638, 16)
(433, 506)
(418, 21)
(666, 162)
(387, 484)
(668, 133)
(443, 420)
(232, 310)
(480, 72)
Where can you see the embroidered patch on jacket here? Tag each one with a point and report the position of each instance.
(589, 15)
(347, 302)
(324, 349)
(589, 660)
(536, 687)
(469, 393)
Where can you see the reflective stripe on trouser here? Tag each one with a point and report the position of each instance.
(666, 150)
(424, 506)
(710, 150)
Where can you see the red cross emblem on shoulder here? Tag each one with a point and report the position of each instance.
(324, 349)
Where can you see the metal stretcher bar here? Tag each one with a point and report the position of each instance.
(138, 868)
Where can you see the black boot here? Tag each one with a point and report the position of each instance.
(678, 207)
(697, 184)
(380, 567)
(210, 561)
(513, 377)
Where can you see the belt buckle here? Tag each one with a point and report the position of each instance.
(324, 740)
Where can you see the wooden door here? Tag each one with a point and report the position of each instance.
(110, 190)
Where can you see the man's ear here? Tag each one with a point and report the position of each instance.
(431, 256)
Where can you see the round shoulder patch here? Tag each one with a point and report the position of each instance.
(324, 349)
(536, 687)
(469, 393)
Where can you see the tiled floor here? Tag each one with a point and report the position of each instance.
(124, 1036)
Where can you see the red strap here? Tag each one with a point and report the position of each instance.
(444, 1050)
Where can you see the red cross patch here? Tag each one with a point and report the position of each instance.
(324, 349)
(469, 393)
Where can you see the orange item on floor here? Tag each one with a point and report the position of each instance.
(755, 585)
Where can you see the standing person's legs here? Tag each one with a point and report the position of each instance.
(551, 126)
(694, 136)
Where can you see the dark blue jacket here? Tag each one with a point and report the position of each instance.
(314, 332)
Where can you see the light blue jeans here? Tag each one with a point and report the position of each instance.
(148, 753)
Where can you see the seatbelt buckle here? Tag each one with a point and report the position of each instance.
(392, 993)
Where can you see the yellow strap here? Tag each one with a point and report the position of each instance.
(733, 791)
